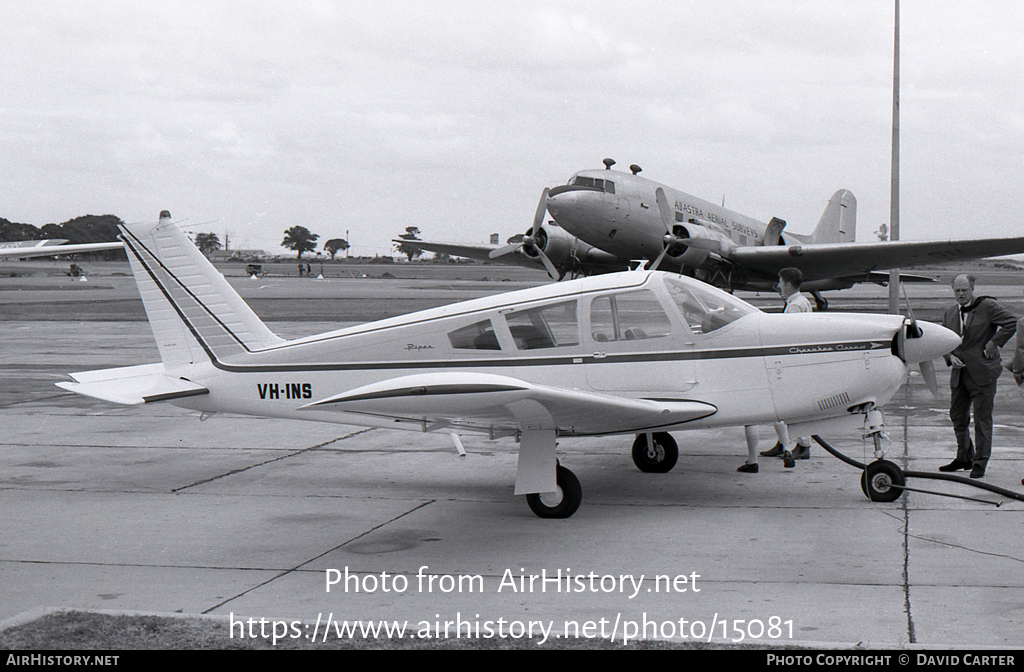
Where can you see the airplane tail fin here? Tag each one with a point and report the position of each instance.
(838, 223)
(194, 313)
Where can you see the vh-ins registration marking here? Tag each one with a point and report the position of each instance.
(285, 390)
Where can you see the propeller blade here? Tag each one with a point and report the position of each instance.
(502, 251)
(667, 217)
(914, 331)
(661, 257)
(552, 271)
(928, 373)
(542, 209)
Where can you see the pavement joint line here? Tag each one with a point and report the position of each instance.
(907, 606)
(270, 461)
(317, 557)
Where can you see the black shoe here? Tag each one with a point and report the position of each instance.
(978, 471)
(776, 451)
(747, 468)
(802, 452)
(956, 465)
(787, 460)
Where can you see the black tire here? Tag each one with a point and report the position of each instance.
(562, 503)
(878, 479)
(661, 459)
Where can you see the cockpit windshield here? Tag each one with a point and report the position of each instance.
(705, 308)
(596, 182)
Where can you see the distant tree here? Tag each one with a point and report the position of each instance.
(410, 251)
(300, 239)
(335, 245)
(208, 243)
(518, 238)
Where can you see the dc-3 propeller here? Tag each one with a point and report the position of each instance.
(673, 243)
(534, 241)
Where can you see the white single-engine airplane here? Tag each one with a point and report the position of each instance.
(638, 352)
(631, 217)
(24, 249)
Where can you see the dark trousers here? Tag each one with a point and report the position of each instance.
(981, 398)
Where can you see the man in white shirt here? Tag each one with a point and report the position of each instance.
(790, 280)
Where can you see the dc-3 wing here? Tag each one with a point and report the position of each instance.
(486, 401)
(132, 385)
(478, 252)
(832, 260)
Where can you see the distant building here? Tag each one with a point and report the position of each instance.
(238, 255)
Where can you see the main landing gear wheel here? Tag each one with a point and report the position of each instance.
(878, 479)
(656, 459)
(563, 502)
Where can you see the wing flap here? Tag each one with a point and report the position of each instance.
(132, 385)
(487, 399)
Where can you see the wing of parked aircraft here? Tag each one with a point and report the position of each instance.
(467, 399)
(832, 260)
(24, 249)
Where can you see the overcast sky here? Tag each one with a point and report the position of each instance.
(246, 118)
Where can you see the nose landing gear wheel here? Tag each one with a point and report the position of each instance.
(656, 459)
(563, 502)
(878, 479)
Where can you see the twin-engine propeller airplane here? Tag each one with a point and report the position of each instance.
(638, 352)
(24, 249)
(631, 217)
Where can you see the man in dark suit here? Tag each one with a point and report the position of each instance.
(984, 327)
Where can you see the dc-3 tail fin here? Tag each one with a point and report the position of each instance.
(194, 313)
(838, 223)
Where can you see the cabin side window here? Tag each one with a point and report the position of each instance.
(553, 326)
(629, 316)
(478, 336)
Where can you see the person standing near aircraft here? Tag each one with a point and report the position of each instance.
(790, 280)
(1016, 365)
(984, 327)
(750, 466)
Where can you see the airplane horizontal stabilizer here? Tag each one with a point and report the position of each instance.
(132, 385)
(491, 400)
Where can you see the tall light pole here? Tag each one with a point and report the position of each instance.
(894, 193)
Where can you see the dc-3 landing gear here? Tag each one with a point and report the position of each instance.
(655, 452)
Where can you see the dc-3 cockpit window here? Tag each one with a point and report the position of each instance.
(553, 326)
(630, 316)
(705, 309)
(479, 336)
(596, 182)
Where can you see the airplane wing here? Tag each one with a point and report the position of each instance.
(45, 248)
(459, 250)
(833, 260)
(478, 401)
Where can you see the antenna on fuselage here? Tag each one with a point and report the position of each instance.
(608, 163)
(635, 168)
